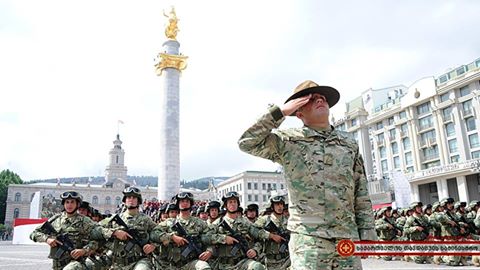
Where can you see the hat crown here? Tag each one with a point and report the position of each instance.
(306, 84)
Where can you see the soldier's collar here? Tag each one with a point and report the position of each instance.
(325, 133)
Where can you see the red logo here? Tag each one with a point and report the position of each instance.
(345, 247)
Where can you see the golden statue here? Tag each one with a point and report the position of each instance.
(172, 29)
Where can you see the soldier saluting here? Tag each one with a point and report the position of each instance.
(65, 233)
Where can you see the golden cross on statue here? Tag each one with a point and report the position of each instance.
(172, 28)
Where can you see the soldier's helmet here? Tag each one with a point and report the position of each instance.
(277, 199)
(435, 205)
(86, 205)
(240, 210)
(252, 207)
(383, 210)
(132, 191)
(171, 206)
(459, 204)
(472, 204)
(163, 208)
(184, 195)
(71, 195)
(413, 205)
(229, 195)
(200, 209)
(446, 201)
(425, 207)
(213, 204)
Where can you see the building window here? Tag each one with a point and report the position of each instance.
(256, 197)
(379, 125)
(240, 187)
(450, 129)
(18, 197)
(264, 186)
(430, 135)
(425, 122)
(118, 201)
(354, 122)
(410, 169)
(406, 143)
(460, 70)
(408, 158)
(384, 166)
(464, 91)
(281, 186)
(396, 162)
(95, 200)
(447, 113)
(265, 198)
(108, 201)
(470, 122)
(473, 139)
(430, 152)
(274, 185)
(16, 213)
(433, 187)
(117, 159)
(402, 115)
(249, 185)
(390, 121)
(475, 154)
(467, 107)
(255, 186)
(452, 146)
(454, 159)
(249, 197)
(341, 127)
(380, 137)
(383, 152)
(269, 187)
(423, 108)
(444, 97)
(394, 148)
(392, 134)
(431, 164)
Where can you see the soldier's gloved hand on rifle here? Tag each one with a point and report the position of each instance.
(77, 253)
(277, 238)
(121, 235)
(205, 256)
(251, 253)
(179, 241)
(148, 248)
(230, 240)
(53, 242)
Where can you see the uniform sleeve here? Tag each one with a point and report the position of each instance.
(381, 225)
(257, 233)
(363, 206)
(38, 236)
(409, 227)
(90, 226)
(162, 233)
(258, 140)
(260, 223)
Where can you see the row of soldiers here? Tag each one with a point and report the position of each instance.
(132, 240)
(445, 220)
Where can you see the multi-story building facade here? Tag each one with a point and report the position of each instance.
(254, 186)
(426, 133)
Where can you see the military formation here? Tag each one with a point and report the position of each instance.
(218, 235)
(445, 220)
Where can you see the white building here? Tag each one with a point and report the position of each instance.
(254, 186)
(428, 133)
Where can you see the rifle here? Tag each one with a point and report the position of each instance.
(192, 243)
(426, 230)
(242, 242)
(455, 229)
(67, 244)
(273, 228)
(397, 229)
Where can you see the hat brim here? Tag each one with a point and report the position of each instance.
(330, 93)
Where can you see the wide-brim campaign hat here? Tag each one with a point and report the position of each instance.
(310, 87)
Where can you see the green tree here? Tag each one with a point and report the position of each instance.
(7, 177)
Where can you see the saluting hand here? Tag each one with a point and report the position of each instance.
(294, 104)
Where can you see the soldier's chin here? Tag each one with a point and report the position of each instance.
(132, 206)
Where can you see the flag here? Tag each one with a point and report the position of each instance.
(120, 122)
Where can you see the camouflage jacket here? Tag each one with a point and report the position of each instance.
(249, 232)
(194, 227)
(140, 223)
(411, 231)
(384, 230)
(447, 229)
(272, 247)
(325, 176)
(77, 228)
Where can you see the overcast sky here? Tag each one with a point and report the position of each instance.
(70, 70)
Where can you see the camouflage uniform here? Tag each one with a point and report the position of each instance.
(383, 226)
(77, 228)
(327, 188)
(239, 260)
(449, 231)
(274, 258)
(196, 228)
(135, 259)
(413, 233)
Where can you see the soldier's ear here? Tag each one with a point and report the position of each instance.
(299, 115)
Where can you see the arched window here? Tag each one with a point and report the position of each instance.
(18, 197)
(118, 200)
(117, 159)
(95, 200)
(16, 213)
(108, 201)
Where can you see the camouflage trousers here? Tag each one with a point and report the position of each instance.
(73, 265)
(142, 264)
(245, 264)
(310, 252)
(193, 265)
(282, 264)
